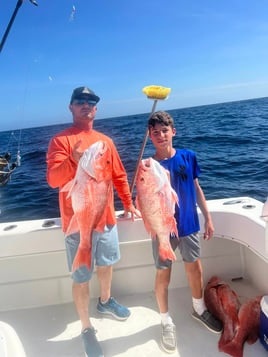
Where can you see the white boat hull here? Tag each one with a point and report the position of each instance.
(34, 274)
(33, 261)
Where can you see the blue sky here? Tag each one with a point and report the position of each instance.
(206, 51)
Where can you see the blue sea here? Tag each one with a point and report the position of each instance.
(230, 140)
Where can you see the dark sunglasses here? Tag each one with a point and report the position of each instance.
(84, 101)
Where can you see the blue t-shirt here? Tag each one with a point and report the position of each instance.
(184, 169)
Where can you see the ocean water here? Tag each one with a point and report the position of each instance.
(230, 140)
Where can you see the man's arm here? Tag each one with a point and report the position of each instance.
(121, 185)
(61, 166)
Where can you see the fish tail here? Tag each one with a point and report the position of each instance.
(232, 348)
(225, 338)
(221, 343)
(166, 252)
(83, 257)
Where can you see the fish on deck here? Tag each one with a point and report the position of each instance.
(223, 303)
(90, 191)
(240, 322)
(156, 201)
(248, 329)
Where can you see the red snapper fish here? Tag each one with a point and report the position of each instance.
(248, 330)
(224, 304)
(156, 201)
(90, 192)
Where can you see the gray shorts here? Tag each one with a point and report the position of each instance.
(104, 252)
(189, 247)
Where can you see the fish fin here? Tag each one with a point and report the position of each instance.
(103, 218)
(149, 230)
(73, 226)
(153, 235)
(101, 223)
(83, 257)
(69, 187)
(174, 230)
(137, 203)
(175, 197)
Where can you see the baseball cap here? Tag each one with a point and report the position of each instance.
(82, 92)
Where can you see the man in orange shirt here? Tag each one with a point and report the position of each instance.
(65, 150)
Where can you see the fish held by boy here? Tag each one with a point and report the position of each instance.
(90, 191)
(156, 201)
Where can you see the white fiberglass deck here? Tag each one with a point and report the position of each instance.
(54, 331)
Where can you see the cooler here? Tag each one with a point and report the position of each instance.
(264, 322)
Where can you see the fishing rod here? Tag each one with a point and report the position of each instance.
(18, 5)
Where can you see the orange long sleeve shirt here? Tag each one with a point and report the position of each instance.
(61, 168)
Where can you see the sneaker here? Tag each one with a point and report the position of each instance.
(168, 338)
(91, 344)
(209, 321)
(111, 307)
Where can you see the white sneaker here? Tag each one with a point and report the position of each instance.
(168, 338)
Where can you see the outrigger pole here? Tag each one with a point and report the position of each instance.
(19, 3)
(156, 93)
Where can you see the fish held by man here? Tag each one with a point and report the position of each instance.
(223, 302)
(156, 201)
(90, 192)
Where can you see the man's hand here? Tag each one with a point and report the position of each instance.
(134, 212)
(77, 152)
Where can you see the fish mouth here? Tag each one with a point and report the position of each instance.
(144, 167)
(146, 163)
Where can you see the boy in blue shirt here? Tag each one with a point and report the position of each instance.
(184, 171)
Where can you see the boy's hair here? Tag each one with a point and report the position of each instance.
(162, 118)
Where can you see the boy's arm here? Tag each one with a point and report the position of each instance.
(202, 204)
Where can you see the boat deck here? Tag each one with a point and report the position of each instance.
(54, 331)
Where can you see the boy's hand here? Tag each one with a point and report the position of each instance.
(209, 229)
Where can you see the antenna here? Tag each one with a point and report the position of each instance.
(18, 5)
